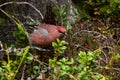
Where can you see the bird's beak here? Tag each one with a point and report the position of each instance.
(65, 33)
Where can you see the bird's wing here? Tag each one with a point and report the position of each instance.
(42, 33)
(39, 36)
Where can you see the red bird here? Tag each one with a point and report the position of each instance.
(46, 34)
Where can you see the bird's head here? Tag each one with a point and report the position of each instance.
(61, 30)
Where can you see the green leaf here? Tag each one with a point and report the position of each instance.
(109, 11)
(20, 27)
(63, 47)
(30, 57)
(20, 53)
(117, 1)
(71, 61)
(54, 44)
(36, 67)
(58, 40)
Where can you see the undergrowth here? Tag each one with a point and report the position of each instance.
(89, 52)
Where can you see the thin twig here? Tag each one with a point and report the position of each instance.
(23, 72)
(26, 3)
(40, 49)
(1, 45)
(107, 68)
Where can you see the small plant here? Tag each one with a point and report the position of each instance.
(10, 68)
(61, 15)
(59, 47)
(66, 14)
(113, 7)
(82, 67)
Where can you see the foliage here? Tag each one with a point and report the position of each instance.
(61, 14)
(10, 68)
(66, 14)
(83, 9)
(88, 8)
(85, 65)
(112, 7)
(59, 47)
(82, 67)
